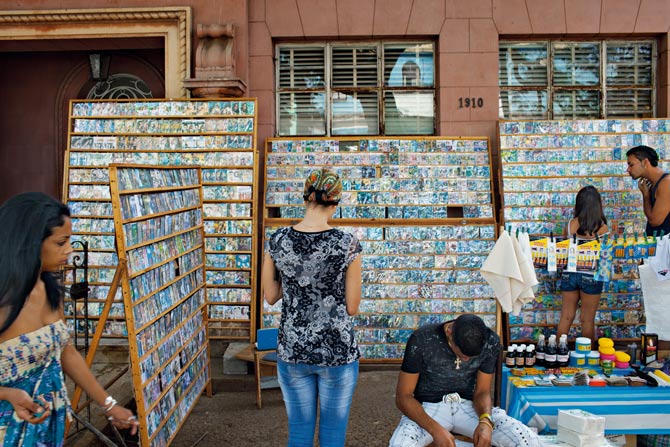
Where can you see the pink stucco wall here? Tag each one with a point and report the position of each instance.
(467, 33)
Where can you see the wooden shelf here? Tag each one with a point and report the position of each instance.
(163, 290)
(433, 260)
(542, 171)
(205, 133)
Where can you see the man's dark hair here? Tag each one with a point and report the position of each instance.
(470, 334)
(642, 152)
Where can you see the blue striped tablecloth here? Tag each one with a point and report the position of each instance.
(627, 410)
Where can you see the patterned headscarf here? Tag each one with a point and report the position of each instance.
(326, 186)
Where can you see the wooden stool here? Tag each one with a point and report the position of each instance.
(264, 361)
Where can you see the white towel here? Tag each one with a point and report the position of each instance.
(528, 276)
(501, 270)
(524, 242)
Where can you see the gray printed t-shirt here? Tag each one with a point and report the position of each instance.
(315, 326)
(428, 354)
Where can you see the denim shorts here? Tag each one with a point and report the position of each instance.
(571, 281)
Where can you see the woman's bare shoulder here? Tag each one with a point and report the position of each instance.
(35, 313)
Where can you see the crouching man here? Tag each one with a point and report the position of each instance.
(445, 386)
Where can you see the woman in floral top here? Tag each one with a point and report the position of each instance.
(316, 271)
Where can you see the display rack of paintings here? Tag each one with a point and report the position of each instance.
(423, 211)
(218, 135)
(159, 233)
(544, 164)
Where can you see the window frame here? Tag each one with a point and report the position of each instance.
(602, 87)
(380, 88)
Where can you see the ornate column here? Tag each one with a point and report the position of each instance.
(215, 74)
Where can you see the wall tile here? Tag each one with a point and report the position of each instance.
(490, 110)
(261, 73)
(260, 41)
(264, 132)
(454, 129)
(318, 17)
(469, 9)
(266, 106)
(355, 17)
(547, 16)
(483, 36)
(469, 69)
(618, 16)
(654, 17)
(256, 10)
(511, 17)
(454, 37)
(449, 105)
(283, 18)
(391, 17)
(582, 16)
(426, 17)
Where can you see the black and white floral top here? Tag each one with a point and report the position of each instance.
(315, 326)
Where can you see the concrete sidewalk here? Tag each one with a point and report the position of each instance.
(230, 416)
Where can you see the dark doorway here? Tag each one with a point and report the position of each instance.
(36, 83)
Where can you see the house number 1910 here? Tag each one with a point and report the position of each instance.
(470, 102)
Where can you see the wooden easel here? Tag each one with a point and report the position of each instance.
(76, 396)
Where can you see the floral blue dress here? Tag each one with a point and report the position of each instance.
(32, 362)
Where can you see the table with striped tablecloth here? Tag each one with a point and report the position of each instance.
(627, 410)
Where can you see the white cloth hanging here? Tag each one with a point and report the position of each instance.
(527, 275)
(524, 242)
(503, 272)
(660, 262)
(656, 298)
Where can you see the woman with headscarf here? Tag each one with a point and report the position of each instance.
(316, 271)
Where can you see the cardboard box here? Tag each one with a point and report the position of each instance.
(622, 440)
(582, 422)
(580, 439)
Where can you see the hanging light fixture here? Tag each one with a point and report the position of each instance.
(98, 64)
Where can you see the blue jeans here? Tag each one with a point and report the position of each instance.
(303, 386)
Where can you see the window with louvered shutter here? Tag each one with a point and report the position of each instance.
(523, 77)
(355, 85)
(409, 97)
(362, 88)
(576, 104)
(523, 64)
(302, 67)
(630, 75)
(575, 64)
(301, 92)
(579, 80)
